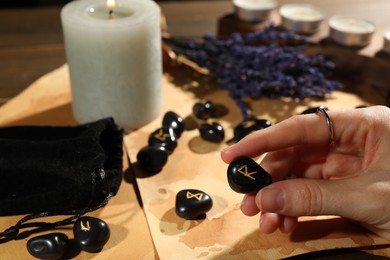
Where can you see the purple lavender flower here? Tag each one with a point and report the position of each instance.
(268, 63)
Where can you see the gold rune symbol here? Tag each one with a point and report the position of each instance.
(244, 171)
(85, 228)
(248, 124)
(198, 196)
(161, 135)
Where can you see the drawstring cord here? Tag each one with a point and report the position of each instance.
(13, 231)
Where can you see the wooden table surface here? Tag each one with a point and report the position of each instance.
(31, 45)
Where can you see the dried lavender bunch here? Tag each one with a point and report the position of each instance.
(267, 63)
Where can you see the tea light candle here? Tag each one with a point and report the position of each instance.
(254, 10)
(114, 58)
(351, 31)
(301, 18)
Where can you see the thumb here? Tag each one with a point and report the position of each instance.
(308, 197)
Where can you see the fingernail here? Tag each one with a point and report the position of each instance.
(261, 219)
(272, 200)
(245, 201)
(224, 150)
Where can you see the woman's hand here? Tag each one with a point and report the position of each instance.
(349, 178)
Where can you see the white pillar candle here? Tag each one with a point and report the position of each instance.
(301, 18)
(351, 31)
(114, 58)
(254, 10)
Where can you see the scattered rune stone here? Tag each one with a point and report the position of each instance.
(191, 203)
(361, 106)
(246, 176)
(212, 132)
(165, 137)
(248, 126)
(204, 109)
(174, 121)
(311, 110)
(90, 233)
(49, 246)
(152, 158)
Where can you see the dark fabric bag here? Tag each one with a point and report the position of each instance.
(48, 170)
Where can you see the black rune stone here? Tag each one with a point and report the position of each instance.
(152, 158)
(212, 132)
(204, 109)
(174, 121)
(311, 110)
(246, 176)
(191, 203)
(91, 234)
(248, 126)
(165, 137)
(49, 246)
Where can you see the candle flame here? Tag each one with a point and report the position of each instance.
(110, 4)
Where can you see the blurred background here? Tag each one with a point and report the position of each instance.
(32, 3)
(31, 40)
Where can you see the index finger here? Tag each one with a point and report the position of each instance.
(296, 130)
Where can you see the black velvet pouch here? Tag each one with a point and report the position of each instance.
(54, 170)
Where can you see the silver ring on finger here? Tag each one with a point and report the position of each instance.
(323, 110)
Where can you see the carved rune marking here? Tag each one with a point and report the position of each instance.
(85, 228)
(162, 136)
(244, 171)
(248, 124)
(198, 196)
